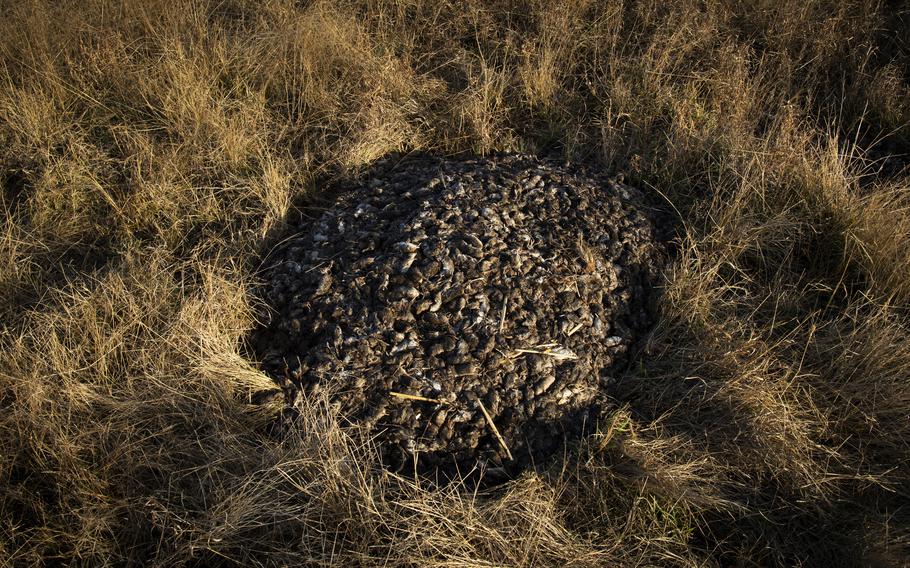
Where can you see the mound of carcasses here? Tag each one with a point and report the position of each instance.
(468, 312)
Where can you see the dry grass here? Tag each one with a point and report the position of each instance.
(149, 151)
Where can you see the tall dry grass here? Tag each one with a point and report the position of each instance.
(150, 151)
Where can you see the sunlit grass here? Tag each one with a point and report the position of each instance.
(150, 152)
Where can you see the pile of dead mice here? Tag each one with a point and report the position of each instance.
(469, 312)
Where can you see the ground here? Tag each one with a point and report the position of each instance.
(151, 153)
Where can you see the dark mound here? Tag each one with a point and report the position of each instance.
(438, 295)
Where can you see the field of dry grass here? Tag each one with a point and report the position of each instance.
(150, 151)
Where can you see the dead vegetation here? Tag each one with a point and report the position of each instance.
(149, 150)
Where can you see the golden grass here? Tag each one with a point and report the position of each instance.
(151, 151)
